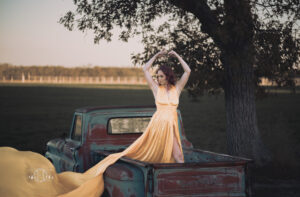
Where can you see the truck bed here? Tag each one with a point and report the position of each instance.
(204, 174)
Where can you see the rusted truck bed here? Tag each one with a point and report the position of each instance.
(204, 174)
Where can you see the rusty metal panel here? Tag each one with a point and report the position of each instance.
(203, 156)
(217, 181)
(219, 178)
(124, 179)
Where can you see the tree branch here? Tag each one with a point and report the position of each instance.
(209, 21)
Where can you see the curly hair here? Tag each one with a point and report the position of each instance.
(170, 76)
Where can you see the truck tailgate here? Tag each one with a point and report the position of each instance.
(197, 180)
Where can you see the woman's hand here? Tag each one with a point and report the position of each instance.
(163, 52)
(173, 53)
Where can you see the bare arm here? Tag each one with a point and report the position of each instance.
(153, 85)
(184, 78)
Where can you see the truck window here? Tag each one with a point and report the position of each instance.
(128, 125)
(76, 133)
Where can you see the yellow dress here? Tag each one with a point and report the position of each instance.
(154, 145)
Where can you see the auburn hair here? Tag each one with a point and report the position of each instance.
(170, 76)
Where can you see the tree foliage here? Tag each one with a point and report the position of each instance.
(196, 30)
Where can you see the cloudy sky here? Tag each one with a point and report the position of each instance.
(31, 35)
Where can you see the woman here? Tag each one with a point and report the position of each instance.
(166, 79)
(159, 143)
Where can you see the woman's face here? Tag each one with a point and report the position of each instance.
(161, 78)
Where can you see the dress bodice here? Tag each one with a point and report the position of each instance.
(164, 100)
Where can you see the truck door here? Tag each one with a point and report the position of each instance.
(73, 143)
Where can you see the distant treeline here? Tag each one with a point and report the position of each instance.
(8, 71)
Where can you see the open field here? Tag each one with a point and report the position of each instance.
(33, 114)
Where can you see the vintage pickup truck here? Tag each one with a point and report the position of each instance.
(99, 131)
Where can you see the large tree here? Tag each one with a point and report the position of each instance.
(228, 44)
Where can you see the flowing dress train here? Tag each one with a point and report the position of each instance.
(154, 145)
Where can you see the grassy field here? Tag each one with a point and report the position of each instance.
(33, 114)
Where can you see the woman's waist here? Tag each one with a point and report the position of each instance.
(167, 107)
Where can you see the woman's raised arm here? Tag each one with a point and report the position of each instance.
(153, 85)
(184, 78)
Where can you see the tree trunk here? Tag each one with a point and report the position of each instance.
(235, 40)
(243, 137)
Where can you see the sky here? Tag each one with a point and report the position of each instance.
(31, 35)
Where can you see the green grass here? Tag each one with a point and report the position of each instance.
(79, 85)
(32, 114)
